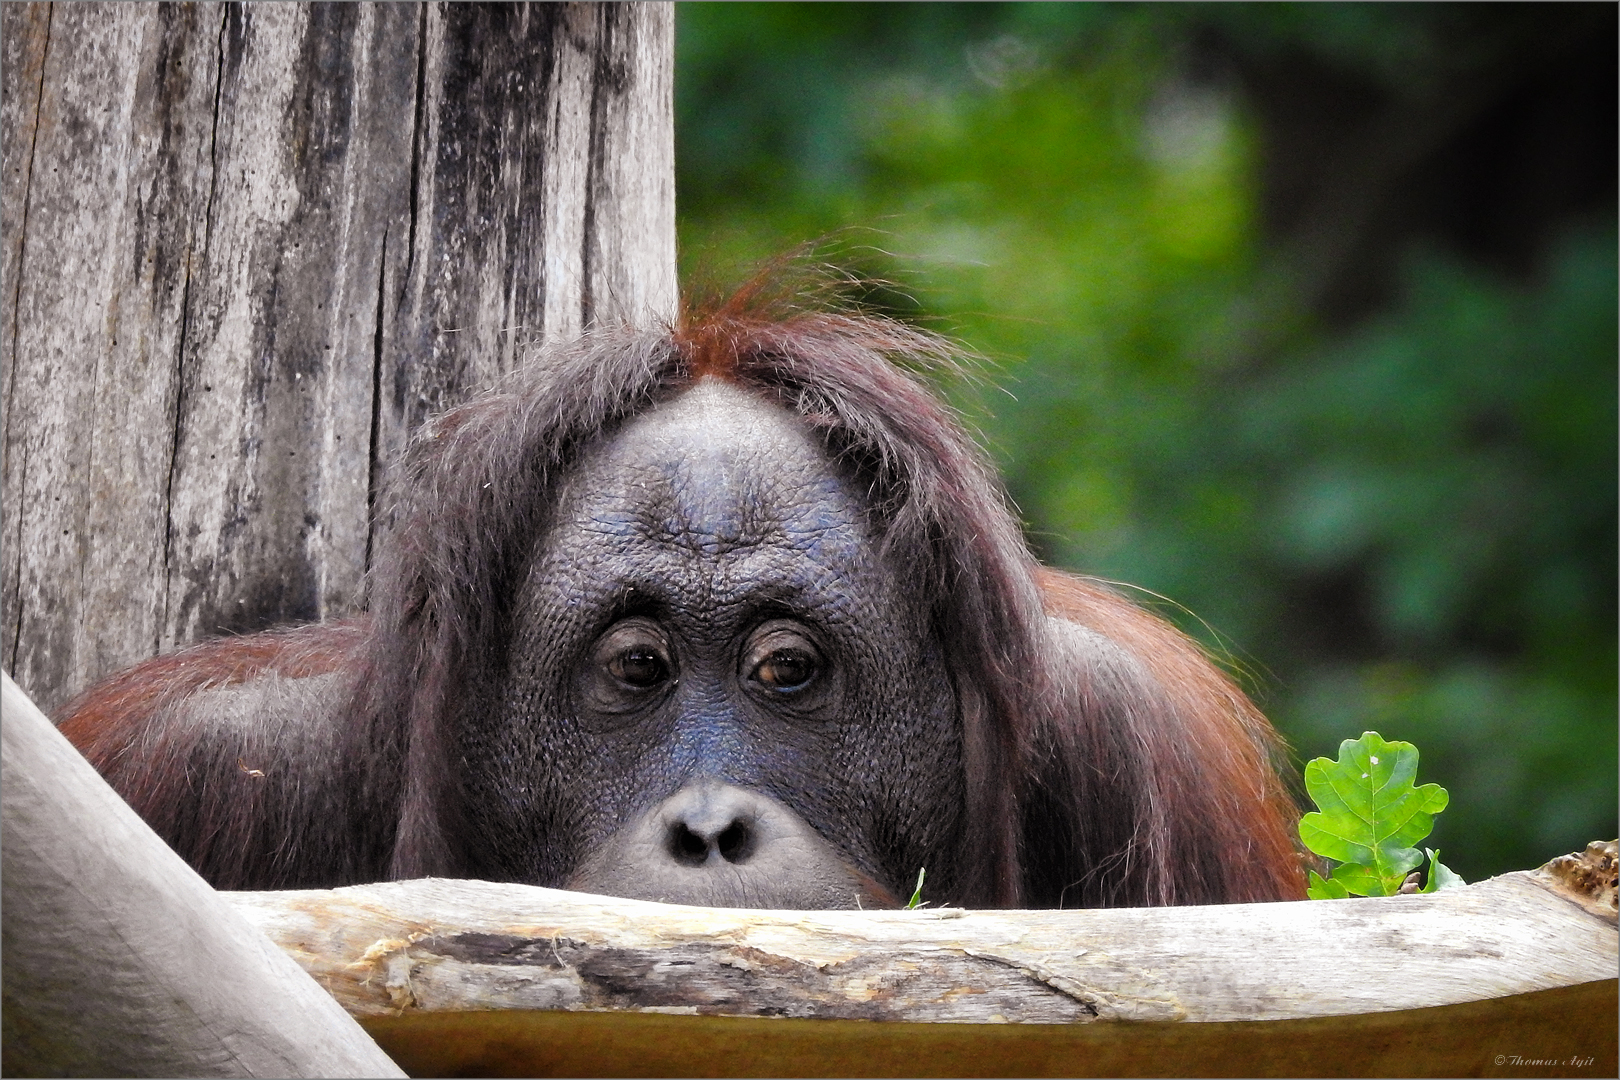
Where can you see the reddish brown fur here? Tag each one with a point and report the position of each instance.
(225, 810)
(103, 721)
(1211, 758)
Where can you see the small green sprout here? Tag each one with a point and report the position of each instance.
(1441, 876)
(916, 900)
(1371, 814)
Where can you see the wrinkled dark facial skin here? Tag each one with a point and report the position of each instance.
(715, 692)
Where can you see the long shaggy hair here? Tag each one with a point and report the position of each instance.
(1108, 761)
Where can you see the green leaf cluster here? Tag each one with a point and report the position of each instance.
(1371, 814)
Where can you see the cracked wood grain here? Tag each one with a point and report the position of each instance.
(24, 35)
(437, 946)
(119, 168)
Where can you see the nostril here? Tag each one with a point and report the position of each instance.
(736, 842)
(691, 847)
(688, 847)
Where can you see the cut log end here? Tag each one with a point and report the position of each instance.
(1588, 878)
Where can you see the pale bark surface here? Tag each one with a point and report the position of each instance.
(248, 248)
(445, 946)
(120, 960)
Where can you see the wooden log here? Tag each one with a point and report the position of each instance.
(119, 959)
(458, 975)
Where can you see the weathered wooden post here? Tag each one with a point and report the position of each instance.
(249, 247)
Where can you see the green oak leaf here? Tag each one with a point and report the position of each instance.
(1325, 888)
(1371, 813)
(1358, 880)
(1441, 876)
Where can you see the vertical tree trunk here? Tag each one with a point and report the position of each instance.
(248, 247)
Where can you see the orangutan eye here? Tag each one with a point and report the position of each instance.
(639, 666)
(628, 663)
(786, 670)
(781, 658)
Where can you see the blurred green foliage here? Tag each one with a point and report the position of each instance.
(1402, 518)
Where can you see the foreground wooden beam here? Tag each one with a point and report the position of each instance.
(119, 959)
(459, 977)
